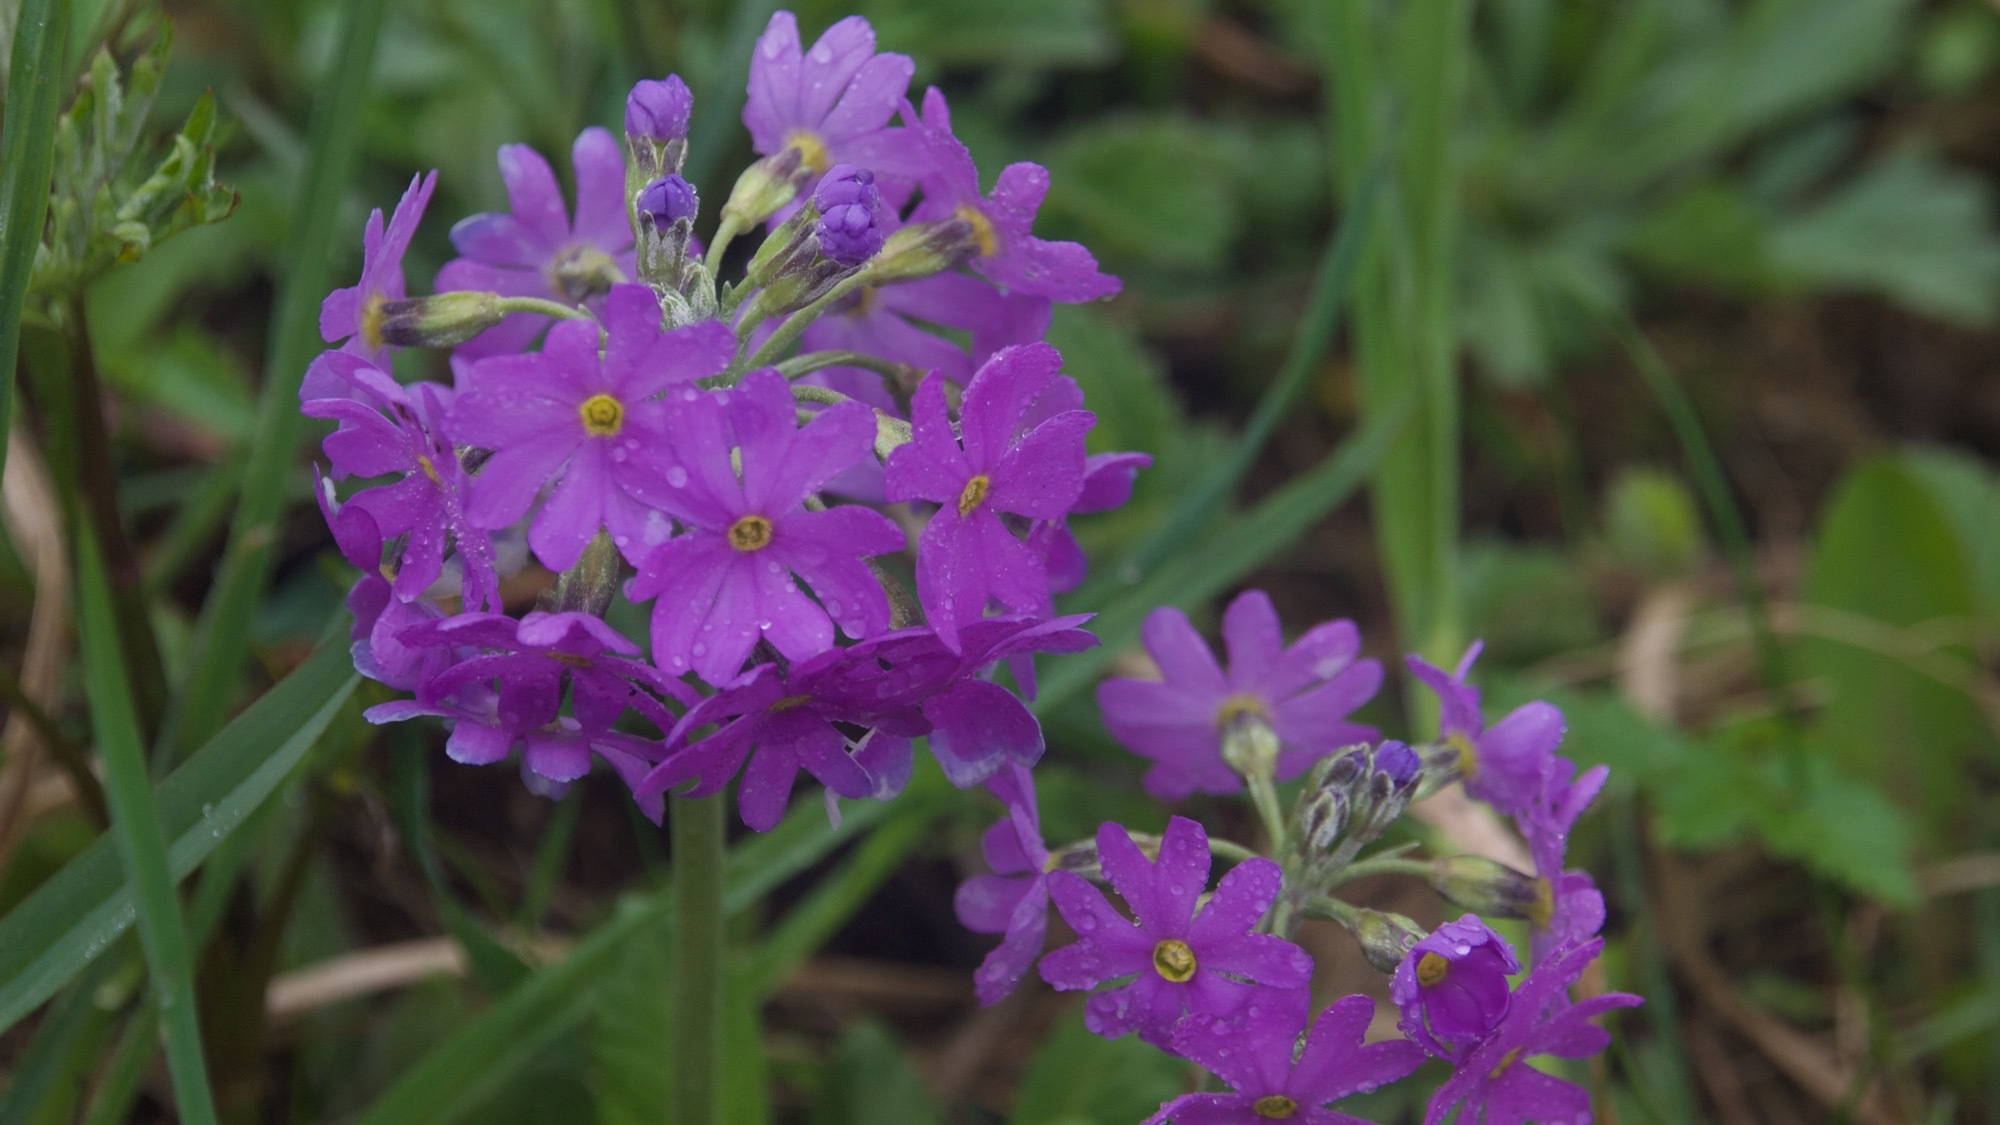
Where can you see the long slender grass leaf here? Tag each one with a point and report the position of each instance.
(27, 159)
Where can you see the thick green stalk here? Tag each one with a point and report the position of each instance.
(135, 823)
(222, 639)
(35, 88)
(694, 1085)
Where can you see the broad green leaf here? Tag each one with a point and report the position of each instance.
(1909, 228)
(1078, 1078)
(870, 1079)
(1887, 555)
(72, 918)
(1843, 829)
(1157, 191)
(632, 1032)
(1968, 494)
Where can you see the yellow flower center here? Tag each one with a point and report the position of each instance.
(1543, 906)
(787, 703)
(1277, 1107)
(571, 659)
(603, 416)
(430, 470)
(1173, 960)
(1431, 969)
(982, 228)
(812, 150)
(750, 533)
(974, 494)
(1506, 1060)
(371, 319)
(1468, 754)
(1240, 706)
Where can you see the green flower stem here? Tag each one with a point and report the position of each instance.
(1386, 865)
(1325, 906)
(725, 233)
(542, 307)
(788, 332)
(694, 1082)
(806, 363)
(1264, 794)
(890, 431)
(142, 844)
(1230, 849)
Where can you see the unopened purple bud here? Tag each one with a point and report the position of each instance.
(668, 200)
(1398, 761)
(848, 203)
(657, 109)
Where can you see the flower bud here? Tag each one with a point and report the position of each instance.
(1385, 938)
(1452, 985)
(1380, 796)
(590, 585)
(923, 249)
(657, 110)
(1488, 887)
(440, 320)
(764, 188)
(848, 231)
(668, 200)
(1322, 817)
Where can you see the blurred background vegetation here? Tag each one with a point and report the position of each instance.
(1725, 275)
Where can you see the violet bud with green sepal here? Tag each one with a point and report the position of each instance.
(1489, 887)
(657, 110)
(667, 201)
(1385, 937)
(848, 204)
(438, 321)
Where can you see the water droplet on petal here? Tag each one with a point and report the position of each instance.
(677, 476)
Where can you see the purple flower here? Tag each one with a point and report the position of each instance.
(1014, 899)
(782, 723)
(1177, 961)
(733, 577)
(1452, 986)
(509, 690)
(1492, 1079)
(1107, 484)
(379, 620)
(967, 556)
(1502, 766)
(535, 249)
(1567, 909)
(1253, 1050)
(427, 506)
(668, 200)
(1008, 255)
(980, 727)
(889, 320)
(592, 419)
(833, 103)
(1304, 692)
(848, 203)
(354, 314)
(657, 109)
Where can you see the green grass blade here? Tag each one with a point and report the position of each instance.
(222, 640)
(136, 828)
(473, 1062)
(73, 917)
(46, 1078)
(1231, 552)
(35, 89)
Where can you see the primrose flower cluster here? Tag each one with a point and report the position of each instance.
(837, 491)
(723, 454)
(1213, 976)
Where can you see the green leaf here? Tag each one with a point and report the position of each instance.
(870, 1079)
(1525, 601)
(1018, 33)
(1968, 495)
(72, 918)
(467, 1067)
(1843, 829)
(1078, 1078)
(35, 86)
(1887, 555)
(631, 1034)
(1910, 228)
(1153, 190)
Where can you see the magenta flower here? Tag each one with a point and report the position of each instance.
(1107, 484)
(782, 723)
(734, 575)
(1493, 1080)
(427, 506)
(1452, 986)
(980, 727)
(1502, 765)
(1304, 692)
(1253, 1052)
(354, 314)
(593, 421)
(535, 249)
(1014, 899)
(1173, 960)
(833, 103)
(1568, 909)
(507, 688)
(379, 616)
(967, 556)
(1009, 255)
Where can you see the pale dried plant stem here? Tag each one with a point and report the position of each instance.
(33, 516)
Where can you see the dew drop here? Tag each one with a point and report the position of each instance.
(1086, 923)
(677, 476)
(699, 649)
(1461, 949)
